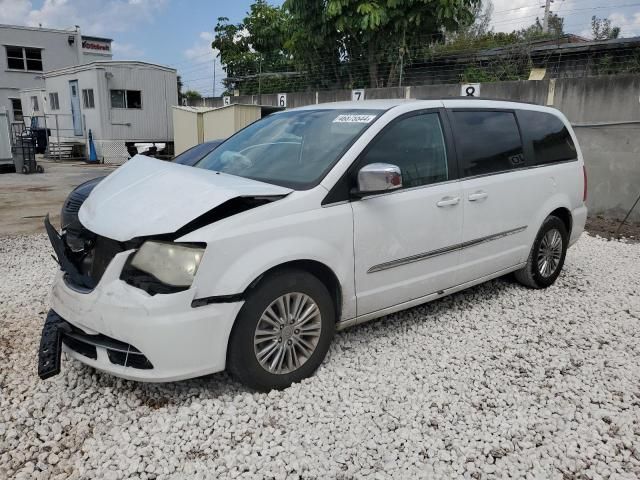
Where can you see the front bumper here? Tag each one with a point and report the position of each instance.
(178, 340)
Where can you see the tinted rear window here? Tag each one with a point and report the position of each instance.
(488, 142)
(549, 136)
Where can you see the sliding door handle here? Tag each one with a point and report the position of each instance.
(448, 201)
(474, 197)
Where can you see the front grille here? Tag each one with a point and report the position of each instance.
(91, 255)
(119, 353)
(81, 347)
(103, 251)
(131, 359)
(74, 202)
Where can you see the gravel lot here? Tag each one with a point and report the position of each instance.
(496, 381)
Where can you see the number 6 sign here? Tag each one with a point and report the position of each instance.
(282, 100)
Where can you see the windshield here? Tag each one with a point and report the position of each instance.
(293, 149)
(191, 156)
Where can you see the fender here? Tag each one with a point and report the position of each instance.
(235, 259)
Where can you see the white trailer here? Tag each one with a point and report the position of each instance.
(120, 102)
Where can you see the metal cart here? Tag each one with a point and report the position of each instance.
(24, 151)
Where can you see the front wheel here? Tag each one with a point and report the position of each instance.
(547, 255)
(282, 332)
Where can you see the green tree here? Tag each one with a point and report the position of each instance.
(602, 29)
(373, 34)
(254, 46)
(536, 31)
(192, 95)
(179, 85)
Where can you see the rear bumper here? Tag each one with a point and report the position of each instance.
(178, 340)
(579, 218)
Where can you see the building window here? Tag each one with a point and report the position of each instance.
(16, 106)
(126, 99)
(23, 58)
(87, 98)
(34, 104)
(134, 99)
(54, 101)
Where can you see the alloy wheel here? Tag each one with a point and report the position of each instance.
(549, 253)
(287, 333)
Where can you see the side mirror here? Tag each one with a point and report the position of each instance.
(378, 178)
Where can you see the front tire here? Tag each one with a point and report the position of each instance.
(547, 255)
(283, 330)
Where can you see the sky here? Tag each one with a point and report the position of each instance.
(178, 33)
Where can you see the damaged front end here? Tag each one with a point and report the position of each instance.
(84, 256)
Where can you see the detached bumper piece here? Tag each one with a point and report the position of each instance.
(51, 345)
(57, 331)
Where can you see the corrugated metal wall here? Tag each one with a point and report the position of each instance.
(153, 121)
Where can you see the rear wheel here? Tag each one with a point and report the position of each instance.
(547, 255)
(282, 332)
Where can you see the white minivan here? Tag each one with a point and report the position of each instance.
(306, 222)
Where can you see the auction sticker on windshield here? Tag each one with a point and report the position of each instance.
(351, 118)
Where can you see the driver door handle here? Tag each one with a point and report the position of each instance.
(474, 197)
(448, 201)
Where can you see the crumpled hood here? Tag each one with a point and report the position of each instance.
(146, 197)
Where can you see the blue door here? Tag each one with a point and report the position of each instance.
(75, 108)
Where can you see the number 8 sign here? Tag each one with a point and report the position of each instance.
(282, 100)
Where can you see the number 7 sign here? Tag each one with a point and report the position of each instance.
(357, 94)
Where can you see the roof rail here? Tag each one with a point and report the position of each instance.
(495, 99)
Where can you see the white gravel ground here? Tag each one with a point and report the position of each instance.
(495, 382)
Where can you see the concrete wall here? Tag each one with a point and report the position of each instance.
(611, 152)
(592, 104)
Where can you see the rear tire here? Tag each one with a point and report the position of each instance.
(283, 331)
(547, 255)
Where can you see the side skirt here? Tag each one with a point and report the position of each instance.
(420, 300)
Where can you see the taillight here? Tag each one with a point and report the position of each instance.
(584, 192)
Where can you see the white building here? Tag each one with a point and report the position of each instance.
(27, 52)
(120, 102)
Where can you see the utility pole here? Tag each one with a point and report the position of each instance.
(545, 21)
(213, 94)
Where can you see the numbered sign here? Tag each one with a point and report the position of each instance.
(282, 100)
(470, 90)
(226, 101)
(357, 94)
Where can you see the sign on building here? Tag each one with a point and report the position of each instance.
(282, 100)
(226, 100)
(470, 90)
(95, 45)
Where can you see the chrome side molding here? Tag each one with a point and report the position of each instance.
(442, 251)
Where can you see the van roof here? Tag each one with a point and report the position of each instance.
(427, 103)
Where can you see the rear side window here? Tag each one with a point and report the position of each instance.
(549, 137)
(487, 141)
(416, 145)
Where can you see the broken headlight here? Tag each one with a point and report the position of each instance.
(173, 264)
